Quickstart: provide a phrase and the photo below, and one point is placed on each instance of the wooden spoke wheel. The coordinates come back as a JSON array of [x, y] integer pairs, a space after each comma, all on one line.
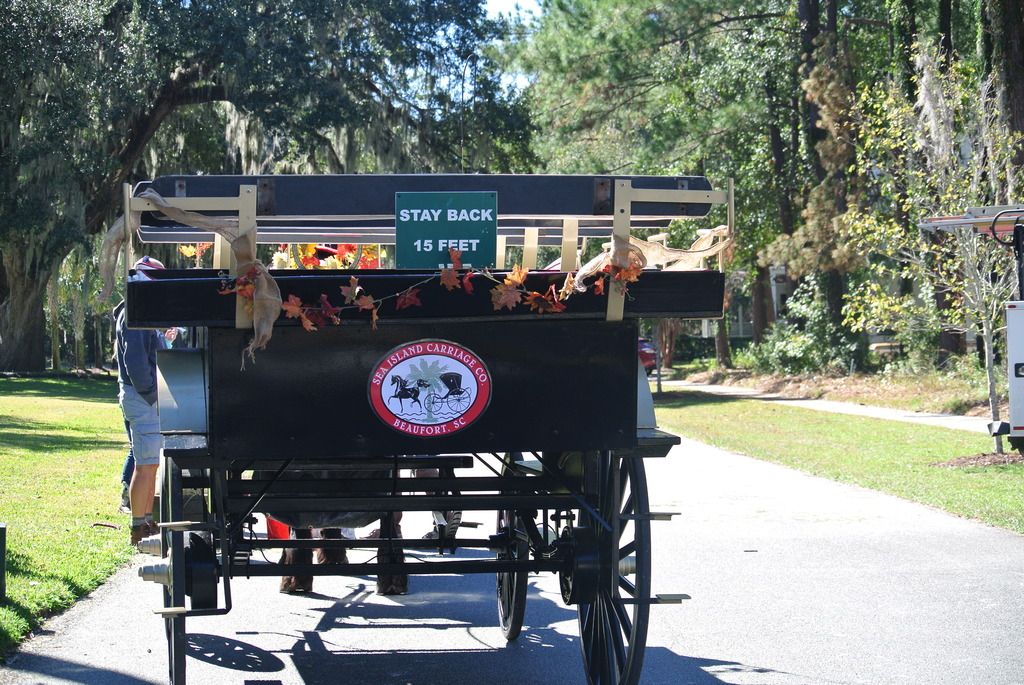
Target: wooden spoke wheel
[[171, 502], [613, 627], [512, 585]]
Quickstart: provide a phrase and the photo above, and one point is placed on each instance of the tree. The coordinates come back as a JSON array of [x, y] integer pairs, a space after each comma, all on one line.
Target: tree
[[90, 84], [946, 173], [667, 87], [46, 98]]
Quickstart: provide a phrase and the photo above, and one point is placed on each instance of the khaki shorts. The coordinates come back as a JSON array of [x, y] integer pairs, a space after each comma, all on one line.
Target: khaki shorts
[[144, 424]]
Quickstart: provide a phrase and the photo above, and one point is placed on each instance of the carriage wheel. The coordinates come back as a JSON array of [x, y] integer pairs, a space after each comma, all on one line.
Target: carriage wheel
[[512, 585], [174, 594], [434, 403], [458, 402], [613, 634]]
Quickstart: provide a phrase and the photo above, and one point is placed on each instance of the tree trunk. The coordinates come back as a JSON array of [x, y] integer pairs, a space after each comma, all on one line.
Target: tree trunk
[[723, 354], [987, 336], [78, 313], [667, 334], [97, 328], [835, 288], [945, 35], [809, 14], [1006, 19], [780, 177], [22, 323], [903, 16], [985, 38], [759, 309], [79, 350], [53, 304]]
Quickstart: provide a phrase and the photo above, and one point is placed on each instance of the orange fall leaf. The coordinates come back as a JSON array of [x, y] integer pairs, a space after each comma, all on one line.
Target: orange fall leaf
[[456, 257], [628, 274], [450, 279], [568, 287], [546, 303], [365, 302], [292, 307], [516, 277], [409, 298], [351, 291], [505, 296]]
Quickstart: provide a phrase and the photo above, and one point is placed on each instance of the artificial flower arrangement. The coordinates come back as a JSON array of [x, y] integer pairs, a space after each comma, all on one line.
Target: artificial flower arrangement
[[344, 256]]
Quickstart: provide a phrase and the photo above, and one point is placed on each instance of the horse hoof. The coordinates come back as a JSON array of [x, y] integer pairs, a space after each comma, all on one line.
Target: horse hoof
[[293, 584], [393, 585]]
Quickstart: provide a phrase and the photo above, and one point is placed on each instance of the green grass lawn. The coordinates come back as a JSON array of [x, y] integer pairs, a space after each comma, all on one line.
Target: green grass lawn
[[62, 444], [890, 456]]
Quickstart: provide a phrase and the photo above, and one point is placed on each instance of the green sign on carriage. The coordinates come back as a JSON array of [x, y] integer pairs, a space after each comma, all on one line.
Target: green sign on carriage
[[428, 225]]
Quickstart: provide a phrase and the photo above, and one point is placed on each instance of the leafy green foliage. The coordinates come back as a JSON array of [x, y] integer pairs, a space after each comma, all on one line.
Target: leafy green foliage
[[90, 85], [951, 153], [663, 88], [807, 340]]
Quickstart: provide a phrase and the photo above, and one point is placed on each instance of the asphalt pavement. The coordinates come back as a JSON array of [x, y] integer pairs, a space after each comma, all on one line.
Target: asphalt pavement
[[795, 580]]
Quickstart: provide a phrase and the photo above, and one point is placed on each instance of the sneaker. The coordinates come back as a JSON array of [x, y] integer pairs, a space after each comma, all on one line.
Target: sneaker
[[126, 504], [142, 531]]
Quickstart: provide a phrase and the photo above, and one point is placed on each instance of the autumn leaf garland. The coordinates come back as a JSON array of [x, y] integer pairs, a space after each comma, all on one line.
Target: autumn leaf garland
[[509, 292]]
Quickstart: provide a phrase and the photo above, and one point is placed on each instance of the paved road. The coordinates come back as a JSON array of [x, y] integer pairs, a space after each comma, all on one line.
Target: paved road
[[795, 580], [975, 424]]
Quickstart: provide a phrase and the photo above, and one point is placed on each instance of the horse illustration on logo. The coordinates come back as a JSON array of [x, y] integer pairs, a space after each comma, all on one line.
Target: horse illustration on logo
[[405, 391]]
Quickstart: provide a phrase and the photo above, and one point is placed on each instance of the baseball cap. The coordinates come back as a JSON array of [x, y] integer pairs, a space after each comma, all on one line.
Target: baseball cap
[[143, 265], [146, 263]]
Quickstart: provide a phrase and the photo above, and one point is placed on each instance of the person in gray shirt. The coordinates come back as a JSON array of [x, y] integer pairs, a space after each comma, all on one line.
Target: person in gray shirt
[[136, 380]]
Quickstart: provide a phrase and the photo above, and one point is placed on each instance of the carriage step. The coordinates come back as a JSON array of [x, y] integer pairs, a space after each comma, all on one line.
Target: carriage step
[[670, 598], [170, 612], [658, 599], [651, 516], [651, 442], [184, 525]]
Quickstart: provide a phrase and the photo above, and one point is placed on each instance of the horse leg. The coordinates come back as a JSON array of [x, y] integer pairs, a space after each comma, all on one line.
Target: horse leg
[[392, 583], [331, 555], [292, 584]]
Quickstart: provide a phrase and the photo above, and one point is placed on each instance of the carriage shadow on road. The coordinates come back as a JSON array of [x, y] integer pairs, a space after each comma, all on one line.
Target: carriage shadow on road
[[544, 652]]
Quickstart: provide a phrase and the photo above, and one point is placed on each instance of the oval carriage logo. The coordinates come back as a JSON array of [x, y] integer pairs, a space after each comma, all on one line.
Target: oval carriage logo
[[429, 388]]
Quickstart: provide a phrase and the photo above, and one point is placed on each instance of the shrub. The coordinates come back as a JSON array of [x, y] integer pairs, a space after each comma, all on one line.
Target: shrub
[[807, 340]]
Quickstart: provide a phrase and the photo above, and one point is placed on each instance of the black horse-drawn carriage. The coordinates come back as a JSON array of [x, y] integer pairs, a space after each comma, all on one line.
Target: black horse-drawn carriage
[[543, 387]]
